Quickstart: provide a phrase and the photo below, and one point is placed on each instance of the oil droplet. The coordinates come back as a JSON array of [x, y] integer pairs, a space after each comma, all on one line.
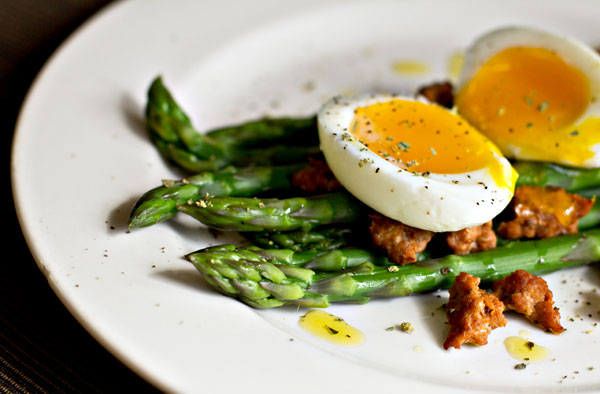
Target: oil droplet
[[417, 349], [331, 328], [525, 350], [410, 67], [524, 334], [455, 63]]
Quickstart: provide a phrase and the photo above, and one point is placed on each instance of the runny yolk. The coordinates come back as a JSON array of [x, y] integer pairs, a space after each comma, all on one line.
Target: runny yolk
[[421, 137], [528, 101]]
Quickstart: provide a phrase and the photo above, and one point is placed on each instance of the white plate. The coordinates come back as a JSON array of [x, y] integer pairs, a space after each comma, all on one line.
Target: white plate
[[82, 157]]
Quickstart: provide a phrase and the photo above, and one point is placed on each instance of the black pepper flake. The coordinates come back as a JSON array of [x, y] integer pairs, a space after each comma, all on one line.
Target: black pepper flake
[[332, 331], [377, 170], [520, 366], [529, 345], [445, 270]]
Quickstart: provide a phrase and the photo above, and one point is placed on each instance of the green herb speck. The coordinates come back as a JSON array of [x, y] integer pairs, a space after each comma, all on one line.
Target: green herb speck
[[403, 145]]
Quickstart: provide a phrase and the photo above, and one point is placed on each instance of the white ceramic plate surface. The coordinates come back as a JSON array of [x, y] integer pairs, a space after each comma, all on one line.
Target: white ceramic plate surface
[[81, 158]]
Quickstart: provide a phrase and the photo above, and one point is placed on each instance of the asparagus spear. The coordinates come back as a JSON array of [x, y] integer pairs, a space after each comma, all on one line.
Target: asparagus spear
[[302, 241], [549, 174], [175, 137], [267, 279], [160, 203], [253, 214], [323, 240], [169, 125], [268, 131]]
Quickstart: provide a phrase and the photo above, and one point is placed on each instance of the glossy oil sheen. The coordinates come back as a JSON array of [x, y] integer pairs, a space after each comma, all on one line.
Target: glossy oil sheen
[[557, 203], [525, 350], [331, 328]]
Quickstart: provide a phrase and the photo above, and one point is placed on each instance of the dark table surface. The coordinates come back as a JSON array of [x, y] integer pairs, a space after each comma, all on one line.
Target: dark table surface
[[42, 347]]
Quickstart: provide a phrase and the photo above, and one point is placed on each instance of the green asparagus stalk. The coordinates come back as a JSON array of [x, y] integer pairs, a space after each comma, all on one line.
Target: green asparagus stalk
[[302, 241], [176, 138], [319, 240], [549, 174], [169, 124], [268, 131], [253, 214], [319, 260], [173, 134], [267, 279], [160, 203]]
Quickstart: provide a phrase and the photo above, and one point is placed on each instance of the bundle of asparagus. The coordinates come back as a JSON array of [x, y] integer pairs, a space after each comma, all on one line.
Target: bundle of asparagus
[[315, 264]]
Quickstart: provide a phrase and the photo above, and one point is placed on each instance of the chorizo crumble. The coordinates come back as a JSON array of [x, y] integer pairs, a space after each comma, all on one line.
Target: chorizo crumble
[[472, 312], [544, 212], [472, 239], [401, 242], [316, 177], [529, 295], [439, 92]]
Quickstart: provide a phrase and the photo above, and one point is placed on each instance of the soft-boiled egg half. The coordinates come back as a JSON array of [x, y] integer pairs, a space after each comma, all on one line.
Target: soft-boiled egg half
[[534, 94], [414, 161]]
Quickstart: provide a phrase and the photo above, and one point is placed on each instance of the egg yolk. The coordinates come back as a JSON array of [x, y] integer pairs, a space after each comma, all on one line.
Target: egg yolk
[[421, 137], [528, 101]]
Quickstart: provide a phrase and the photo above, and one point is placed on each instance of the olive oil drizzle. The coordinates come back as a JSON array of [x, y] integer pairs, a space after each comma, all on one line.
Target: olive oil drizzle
[[330, 328]]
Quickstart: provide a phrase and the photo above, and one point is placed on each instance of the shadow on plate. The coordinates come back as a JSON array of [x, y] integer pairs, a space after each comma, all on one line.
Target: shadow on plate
[[186, 277], [134, 116], [118, 218], [433, 311]]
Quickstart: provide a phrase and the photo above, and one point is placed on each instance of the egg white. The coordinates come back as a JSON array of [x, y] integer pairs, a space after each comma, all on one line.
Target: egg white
[[574, 52], [435, 202]]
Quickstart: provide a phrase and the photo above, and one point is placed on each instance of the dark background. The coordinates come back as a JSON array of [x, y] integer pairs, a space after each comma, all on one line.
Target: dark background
[[42, 347]]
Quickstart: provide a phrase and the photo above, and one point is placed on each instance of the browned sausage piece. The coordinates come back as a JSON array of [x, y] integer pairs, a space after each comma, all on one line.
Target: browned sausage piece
[[316, 177], [472, 239], [401, 242], [529, 294], [544, 212], [472, 313], [439, 92]]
